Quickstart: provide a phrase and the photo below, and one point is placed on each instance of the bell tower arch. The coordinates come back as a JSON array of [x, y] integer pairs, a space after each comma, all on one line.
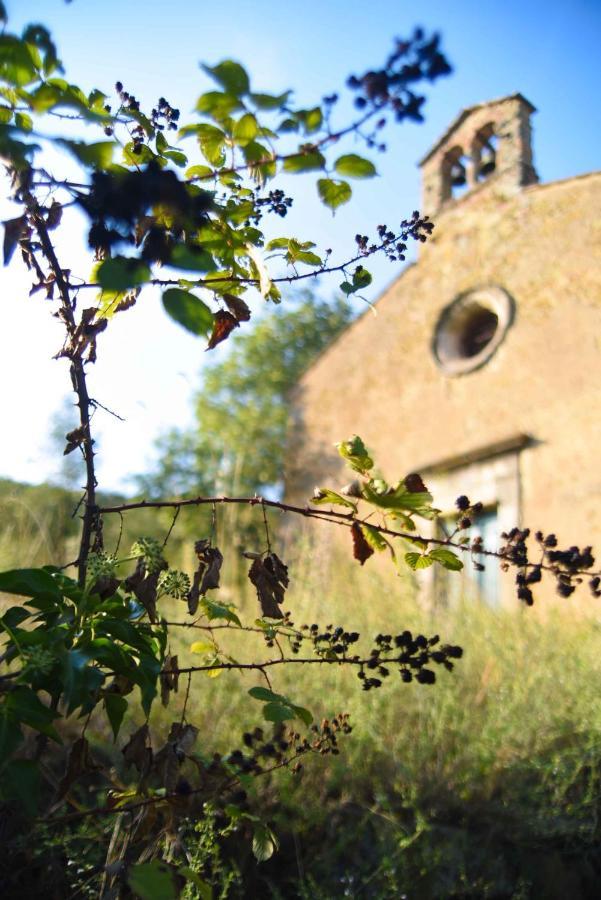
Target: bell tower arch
[[490, 143]]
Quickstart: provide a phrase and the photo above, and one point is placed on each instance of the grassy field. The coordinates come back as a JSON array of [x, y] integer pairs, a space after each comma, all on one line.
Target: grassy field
[[486, 784]]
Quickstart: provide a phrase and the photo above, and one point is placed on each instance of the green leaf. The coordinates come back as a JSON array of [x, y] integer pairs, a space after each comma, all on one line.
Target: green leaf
[[10, 734], [191, 260], [334, 193], [304, 161], [199, 172], [310, 119], [373, 537], [361, 278], [203, 647], [142, 155], [115, 706], [278, 712], [18, 62], [30, 583], [217, 104], [204, 889], [279, 708], [264, 694], [245, 129], [212, 143], [153, 881], [270, 101], [13, 617], [278, 243], [189, 311], [264, 843], [21, 782], [418, 560], [355, 453], [446, 558], [161, 142], [81, 681], [23, 121], [354, 166], [119, 273], [325, 495], [214, 610], [98, 155], [230, 75], [25, 706]]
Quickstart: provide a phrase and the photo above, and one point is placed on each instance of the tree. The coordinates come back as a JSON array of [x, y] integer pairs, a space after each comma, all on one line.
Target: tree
[[238, 442], [95, 645]]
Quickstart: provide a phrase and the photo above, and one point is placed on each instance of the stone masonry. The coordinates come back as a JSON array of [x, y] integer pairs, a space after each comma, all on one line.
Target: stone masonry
[[482, 367]]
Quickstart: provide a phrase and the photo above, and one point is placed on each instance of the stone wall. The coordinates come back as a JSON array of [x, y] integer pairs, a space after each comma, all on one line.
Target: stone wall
[[380, 378]]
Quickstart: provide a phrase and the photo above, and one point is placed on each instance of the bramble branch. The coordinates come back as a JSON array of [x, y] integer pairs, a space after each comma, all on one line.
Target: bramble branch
[[344, 519]]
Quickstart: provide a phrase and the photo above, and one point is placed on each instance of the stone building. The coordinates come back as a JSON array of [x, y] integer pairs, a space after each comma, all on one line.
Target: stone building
[[481, 369]]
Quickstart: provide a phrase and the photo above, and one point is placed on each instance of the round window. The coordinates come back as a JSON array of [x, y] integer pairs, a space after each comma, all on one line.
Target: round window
[[471, 328]]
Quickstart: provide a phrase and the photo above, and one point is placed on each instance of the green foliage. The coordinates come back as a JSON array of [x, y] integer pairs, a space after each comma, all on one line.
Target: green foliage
[[83, 658], [334, 193], [279, 708], [188, 310], [121, 273], [242, 407], [354, 166]]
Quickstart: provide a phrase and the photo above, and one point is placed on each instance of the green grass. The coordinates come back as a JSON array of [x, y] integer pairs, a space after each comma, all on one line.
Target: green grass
[[486, 784]]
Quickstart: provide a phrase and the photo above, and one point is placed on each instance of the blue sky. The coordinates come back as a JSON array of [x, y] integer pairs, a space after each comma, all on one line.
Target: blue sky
[[547, 50]]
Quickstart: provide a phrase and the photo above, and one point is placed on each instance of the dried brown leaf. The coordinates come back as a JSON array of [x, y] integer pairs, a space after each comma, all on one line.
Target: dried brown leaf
[[270, 578], [79, 762], [136, 752], [223, 324], [238, 307], [166, 766], [183, 737], [414, 484], [361, 549], [74, 439], [105, 586], [14, 229], [207, 575], [144, 587], [169, 678], [54, 215]]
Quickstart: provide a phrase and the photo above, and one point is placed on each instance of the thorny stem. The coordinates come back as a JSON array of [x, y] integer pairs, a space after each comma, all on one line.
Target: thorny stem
[[285, 279], [78, 379], [174, 795], [286, 660], [324, 515]]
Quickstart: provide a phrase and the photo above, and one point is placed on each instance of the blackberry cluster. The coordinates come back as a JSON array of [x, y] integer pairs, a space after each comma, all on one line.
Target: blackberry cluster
[[417, 59], [261, 754], [394, 245], [568, 565], [131, 104], [415, 654], [467, 511], [332, 640], [164, 116], [276, 202]]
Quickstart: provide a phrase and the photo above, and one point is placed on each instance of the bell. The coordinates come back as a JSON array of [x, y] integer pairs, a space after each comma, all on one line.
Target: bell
[[458, 178], [488, 161]]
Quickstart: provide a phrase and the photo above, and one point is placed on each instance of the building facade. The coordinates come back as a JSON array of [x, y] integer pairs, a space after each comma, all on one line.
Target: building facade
[[482, 368]]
